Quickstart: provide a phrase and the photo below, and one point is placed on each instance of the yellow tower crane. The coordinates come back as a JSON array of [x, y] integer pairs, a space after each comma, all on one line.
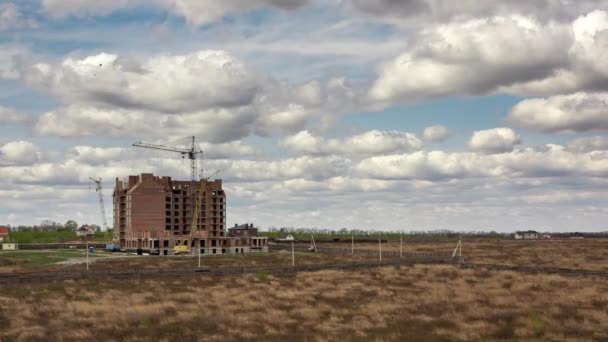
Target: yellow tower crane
[[185, 247]]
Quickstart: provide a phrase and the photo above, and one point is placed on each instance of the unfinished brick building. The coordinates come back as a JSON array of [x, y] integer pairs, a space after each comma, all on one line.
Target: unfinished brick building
[[152, 214]]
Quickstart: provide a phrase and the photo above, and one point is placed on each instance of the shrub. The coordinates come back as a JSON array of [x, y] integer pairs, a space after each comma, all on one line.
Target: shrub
[[262, 275], [145, 322], [536, 322]]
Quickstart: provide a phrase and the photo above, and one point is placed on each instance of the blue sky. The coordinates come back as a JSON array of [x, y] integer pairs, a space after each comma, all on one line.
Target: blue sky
[[320, 113]]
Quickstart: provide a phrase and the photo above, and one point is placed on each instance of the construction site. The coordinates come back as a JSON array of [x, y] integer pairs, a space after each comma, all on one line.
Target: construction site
[[158, 215], [154, 214], [170, 240]]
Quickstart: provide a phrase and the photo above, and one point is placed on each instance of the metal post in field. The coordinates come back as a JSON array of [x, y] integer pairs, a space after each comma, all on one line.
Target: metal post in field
[[293, 255], [460, 249], [87, 247], [380, 247], [199, 253], [401, 247], [352, 243]]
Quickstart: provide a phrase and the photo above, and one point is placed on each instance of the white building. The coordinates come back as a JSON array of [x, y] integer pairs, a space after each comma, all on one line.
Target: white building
[[526, 235]]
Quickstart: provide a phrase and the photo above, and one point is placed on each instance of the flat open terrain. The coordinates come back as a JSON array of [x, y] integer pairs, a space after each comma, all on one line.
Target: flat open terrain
[[421, 303], [589, 254], [22, 260]]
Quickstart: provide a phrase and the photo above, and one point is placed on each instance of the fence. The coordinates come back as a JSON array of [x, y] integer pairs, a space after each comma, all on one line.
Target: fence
[[412, 256], [60, 245], [173, 272]]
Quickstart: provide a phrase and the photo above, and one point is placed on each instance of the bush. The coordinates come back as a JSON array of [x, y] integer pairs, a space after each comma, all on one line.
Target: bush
[[145, 322], [262, 275], [536, 322]]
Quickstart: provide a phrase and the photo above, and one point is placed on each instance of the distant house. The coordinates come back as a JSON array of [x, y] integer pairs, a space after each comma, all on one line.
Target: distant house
[[545, 236], [286, 237], [243, 230], [85, 230], [577, 235], [526, 235], [4, 232]]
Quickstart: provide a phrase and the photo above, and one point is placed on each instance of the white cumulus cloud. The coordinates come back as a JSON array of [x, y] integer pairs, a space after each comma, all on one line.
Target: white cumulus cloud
[[368, 143], [436, 133], [19, 153], [579, 112], [496, 140], [473, 57], [551, 161], [588, 144], [206, 93]]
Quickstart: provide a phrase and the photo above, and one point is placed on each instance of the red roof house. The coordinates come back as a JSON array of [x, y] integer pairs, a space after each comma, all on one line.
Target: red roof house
[[4, 232]]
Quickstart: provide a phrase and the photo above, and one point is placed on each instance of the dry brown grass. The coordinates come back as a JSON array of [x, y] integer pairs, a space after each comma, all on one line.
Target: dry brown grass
[[422, 303], [589, 254]]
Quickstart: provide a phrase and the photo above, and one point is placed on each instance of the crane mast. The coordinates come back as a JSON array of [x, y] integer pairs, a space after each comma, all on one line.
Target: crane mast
[[102, 208], [192, 153], [185, 247]]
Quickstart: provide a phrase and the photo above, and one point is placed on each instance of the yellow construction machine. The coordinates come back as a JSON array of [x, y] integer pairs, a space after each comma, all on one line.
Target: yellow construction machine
[[185, 247]]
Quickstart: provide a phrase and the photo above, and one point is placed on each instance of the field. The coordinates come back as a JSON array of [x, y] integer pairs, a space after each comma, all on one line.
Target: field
[[420, 303], [14, 261], [589, 254]]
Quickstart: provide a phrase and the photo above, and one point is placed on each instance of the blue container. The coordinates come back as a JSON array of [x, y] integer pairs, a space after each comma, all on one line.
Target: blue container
[[91, 250], [112, 247]]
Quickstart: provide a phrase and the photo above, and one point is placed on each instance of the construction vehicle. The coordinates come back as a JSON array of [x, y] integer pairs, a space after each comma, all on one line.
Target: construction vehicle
[[186, 246]]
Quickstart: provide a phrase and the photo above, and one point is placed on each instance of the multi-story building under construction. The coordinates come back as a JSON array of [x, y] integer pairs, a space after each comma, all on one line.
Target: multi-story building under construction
[[152, 214]]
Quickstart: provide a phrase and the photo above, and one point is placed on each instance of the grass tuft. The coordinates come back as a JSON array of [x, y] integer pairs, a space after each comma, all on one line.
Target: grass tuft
[[262, 275], [536, 322]]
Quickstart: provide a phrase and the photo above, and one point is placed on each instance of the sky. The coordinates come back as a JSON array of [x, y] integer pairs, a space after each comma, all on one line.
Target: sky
[[379, 115]]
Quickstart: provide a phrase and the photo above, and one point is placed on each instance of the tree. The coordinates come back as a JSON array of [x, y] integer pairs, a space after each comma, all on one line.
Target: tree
[[71, 225], [50, 226]]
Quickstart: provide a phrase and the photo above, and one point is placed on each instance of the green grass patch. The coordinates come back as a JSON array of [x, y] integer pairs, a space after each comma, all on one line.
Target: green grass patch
[[262, 275], [54, 237], [39, 258], [145, 322], [536, 322]]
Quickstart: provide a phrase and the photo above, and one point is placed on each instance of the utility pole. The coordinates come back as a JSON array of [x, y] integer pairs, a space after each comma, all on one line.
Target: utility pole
[[293, 255], [352, 243]]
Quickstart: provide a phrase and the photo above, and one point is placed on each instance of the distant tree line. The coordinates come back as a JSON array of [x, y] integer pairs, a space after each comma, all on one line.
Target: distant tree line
[[52, 226], [323, 233]]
